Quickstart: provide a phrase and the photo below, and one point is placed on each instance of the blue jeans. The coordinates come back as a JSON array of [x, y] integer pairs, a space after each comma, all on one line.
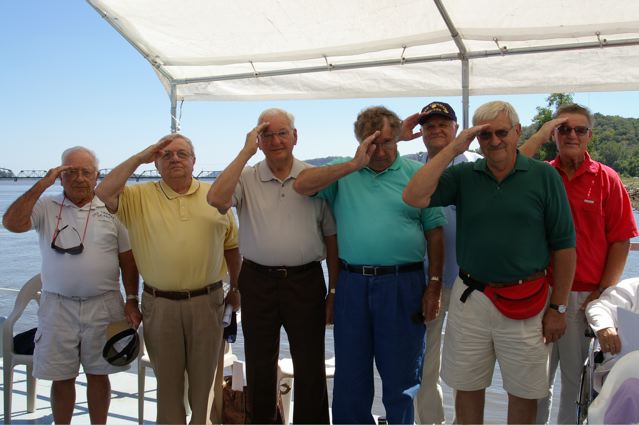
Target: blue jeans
[[376, 318]]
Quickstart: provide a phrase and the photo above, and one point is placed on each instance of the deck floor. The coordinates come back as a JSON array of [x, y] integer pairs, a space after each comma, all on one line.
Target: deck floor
[[124, 399]]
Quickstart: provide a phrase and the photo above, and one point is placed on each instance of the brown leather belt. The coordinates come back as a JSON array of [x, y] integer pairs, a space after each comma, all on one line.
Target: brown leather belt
[[280, 272], [533, 276], [182, 295]]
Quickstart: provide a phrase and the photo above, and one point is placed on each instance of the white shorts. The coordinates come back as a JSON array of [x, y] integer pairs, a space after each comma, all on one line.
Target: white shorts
[[72, 331], [477, 334]]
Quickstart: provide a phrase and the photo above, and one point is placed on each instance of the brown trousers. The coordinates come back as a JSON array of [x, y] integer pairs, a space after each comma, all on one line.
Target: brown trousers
[[296, 302]]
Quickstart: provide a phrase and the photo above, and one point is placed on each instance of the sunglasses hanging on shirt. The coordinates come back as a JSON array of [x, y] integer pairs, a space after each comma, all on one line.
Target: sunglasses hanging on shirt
[[74, 250]]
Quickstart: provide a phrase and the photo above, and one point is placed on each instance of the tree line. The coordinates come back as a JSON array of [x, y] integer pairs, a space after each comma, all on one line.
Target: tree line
[[615, 139]]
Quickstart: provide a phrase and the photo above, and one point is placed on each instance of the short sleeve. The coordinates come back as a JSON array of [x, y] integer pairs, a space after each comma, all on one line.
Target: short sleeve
[[231, 237]]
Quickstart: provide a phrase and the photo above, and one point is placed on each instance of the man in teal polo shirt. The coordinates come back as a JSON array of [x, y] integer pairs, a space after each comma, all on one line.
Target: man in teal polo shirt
[[381, 301], [513, 216]]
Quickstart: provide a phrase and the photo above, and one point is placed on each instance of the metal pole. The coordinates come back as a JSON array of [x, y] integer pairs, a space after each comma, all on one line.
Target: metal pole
[[173, 97], [465, 90]]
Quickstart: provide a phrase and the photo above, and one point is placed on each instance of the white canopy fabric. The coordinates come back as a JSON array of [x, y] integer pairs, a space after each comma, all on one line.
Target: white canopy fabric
[[302, 49]]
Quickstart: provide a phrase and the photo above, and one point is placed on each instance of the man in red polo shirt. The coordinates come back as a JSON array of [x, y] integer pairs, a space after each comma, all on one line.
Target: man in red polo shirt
[[604, 224]]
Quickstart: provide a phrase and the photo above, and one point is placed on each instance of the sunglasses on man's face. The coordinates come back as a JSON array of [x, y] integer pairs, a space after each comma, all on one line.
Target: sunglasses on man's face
[[565, 130], [488, 135]]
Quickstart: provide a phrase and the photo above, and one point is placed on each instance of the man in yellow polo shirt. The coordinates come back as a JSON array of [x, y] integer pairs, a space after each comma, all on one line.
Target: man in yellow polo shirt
[[180, 244]]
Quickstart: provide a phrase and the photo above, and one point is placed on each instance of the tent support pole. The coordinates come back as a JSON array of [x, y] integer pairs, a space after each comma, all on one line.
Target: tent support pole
[[465, 90], [173, 97]]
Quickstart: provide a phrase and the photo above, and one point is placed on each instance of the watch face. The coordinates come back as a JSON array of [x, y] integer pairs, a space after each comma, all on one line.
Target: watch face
[[559, 307]]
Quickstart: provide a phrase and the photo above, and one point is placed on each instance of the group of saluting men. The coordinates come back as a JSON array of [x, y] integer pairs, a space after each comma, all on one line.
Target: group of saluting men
[[511, 248]]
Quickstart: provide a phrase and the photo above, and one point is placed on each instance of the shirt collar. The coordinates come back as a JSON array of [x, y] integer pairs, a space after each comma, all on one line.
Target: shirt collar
[[171, 194], [265, 174], [522, 163], [393, 167], [588, 166], [67, 203]]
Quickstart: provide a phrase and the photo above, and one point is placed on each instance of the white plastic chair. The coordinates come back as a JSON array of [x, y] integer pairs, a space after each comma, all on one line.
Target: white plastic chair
[[144, 362], [30, 291]]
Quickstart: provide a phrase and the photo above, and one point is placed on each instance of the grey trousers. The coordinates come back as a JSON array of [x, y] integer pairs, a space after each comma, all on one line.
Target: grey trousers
[[569, 353]]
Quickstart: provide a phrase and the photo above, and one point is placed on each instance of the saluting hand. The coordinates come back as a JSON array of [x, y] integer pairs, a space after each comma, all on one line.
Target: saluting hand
[[408, 125], [465, 138], [52, 175], [151, 153], [251, 143], [365, 151], [549, 126]]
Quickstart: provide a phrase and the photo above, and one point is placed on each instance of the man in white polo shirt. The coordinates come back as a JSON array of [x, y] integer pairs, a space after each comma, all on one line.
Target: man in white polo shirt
[[283, 238], [83, 249]]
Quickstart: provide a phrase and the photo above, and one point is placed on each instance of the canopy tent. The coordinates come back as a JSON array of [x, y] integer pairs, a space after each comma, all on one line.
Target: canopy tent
[[302, 49]]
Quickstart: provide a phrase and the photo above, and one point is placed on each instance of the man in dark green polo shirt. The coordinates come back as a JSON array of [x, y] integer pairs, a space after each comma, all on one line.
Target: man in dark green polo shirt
[[513, 217]]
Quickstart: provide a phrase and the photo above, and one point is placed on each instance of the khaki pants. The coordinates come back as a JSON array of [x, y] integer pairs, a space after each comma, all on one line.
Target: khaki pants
[[429, 403], [183, 335]]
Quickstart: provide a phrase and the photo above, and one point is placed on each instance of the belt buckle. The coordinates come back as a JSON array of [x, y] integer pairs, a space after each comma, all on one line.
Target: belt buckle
[[369, 270], [282, 272]]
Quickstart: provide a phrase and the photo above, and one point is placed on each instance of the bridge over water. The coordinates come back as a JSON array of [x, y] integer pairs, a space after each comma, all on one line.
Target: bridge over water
[[6, 173]]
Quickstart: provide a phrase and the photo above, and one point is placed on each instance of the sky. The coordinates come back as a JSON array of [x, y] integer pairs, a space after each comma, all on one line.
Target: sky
[[67, 78]]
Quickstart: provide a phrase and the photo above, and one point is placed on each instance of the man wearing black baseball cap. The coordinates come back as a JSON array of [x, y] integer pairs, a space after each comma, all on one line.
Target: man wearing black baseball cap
[[439, 127]]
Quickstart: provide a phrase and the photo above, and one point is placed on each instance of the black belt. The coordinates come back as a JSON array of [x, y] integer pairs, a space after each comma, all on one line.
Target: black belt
[[182, 295], [380, 270], [280, 272]]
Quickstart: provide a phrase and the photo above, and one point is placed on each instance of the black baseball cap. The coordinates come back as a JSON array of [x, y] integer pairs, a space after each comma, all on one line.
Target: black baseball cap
[[437, 108], [123, 344]]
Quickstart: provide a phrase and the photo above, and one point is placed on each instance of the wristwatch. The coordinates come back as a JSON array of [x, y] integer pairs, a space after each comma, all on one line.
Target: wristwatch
[[559, 307]]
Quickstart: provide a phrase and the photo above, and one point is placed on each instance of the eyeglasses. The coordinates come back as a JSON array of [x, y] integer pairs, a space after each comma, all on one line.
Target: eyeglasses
[[282, 134], [181, 154], [74, 173], [565, 130], [488, 135], [74, 250]]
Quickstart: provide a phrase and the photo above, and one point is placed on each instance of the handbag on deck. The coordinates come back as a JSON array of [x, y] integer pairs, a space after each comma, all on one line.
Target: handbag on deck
[[234, 399]]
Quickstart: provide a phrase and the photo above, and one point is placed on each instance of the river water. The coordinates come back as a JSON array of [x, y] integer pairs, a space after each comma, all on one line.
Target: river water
[[20, 260]]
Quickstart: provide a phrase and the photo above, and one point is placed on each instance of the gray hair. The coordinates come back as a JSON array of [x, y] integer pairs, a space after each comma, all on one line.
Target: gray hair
[[489, 111], [174, 136], [89, 152], [574, 108], [277, 111]]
